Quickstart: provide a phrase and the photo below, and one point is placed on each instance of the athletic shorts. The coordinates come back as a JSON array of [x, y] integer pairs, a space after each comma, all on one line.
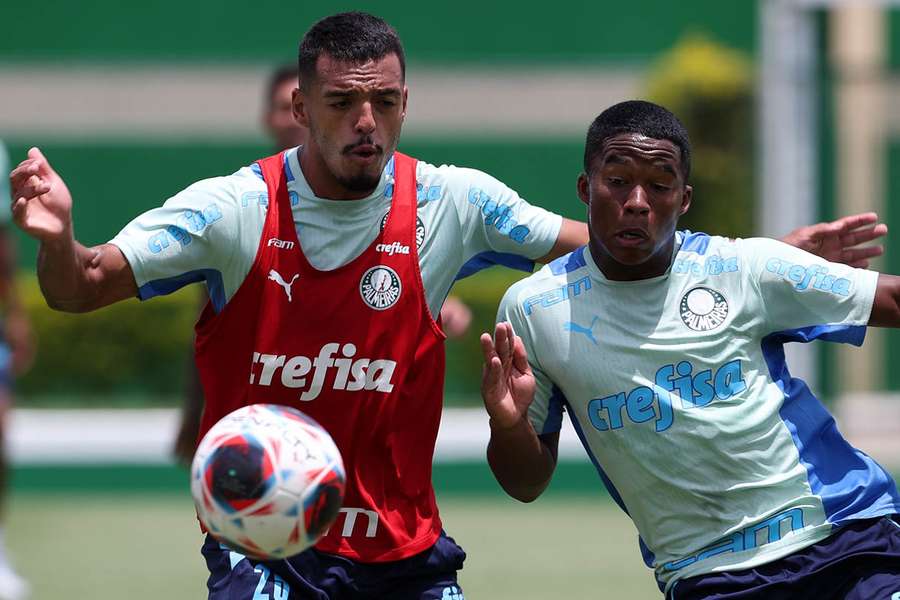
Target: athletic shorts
[[313, 575], [860, 561]]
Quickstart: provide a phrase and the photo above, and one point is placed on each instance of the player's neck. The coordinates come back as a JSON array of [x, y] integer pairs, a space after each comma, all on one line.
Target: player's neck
[[613, 270], [320, 179]]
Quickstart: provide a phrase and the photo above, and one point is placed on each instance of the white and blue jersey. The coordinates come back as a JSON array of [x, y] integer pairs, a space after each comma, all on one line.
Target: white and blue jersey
[[210, 232], [678, 388]]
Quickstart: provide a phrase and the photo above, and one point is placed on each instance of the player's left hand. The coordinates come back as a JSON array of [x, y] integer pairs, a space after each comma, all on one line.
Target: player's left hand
[[839, 241], [455, 317], [18, 334], [507, 384]]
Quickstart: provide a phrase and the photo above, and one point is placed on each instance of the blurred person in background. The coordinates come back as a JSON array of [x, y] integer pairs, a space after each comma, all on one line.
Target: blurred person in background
[[16, 354], [668, 357], [327, 248], [282, 128]]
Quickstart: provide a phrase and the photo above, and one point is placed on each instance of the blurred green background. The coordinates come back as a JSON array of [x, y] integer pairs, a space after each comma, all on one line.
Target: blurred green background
[[697, 59], [100, 529]]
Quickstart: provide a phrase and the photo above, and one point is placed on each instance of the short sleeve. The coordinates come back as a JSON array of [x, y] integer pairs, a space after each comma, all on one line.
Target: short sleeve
[[546, 411], [193, 237], [494, 218], [799, 290]]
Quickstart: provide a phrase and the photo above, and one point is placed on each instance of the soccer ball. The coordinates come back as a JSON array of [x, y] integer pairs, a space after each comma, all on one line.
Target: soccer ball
[[267, 481]]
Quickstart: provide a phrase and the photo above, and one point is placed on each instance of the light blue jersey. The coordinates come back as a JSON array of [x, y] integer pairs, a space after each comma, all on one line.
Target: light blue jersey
[[466, 221], [678, 388]]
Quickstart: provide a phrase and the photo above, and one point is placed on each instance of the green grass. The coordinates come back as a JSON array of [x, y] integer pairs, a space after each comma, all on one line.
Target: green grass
[[142, 547]]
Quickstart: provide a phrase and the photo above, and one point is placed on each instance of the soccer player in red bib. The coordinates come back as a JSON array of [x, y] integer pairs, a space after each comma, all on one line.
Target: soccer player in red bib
[[324, 265]]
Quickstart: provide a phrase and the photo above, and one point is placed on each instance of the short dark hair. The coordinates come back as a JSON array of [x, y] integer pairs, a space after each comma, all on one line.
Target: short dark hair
[[279, 76], [350, 36], [642, 117]]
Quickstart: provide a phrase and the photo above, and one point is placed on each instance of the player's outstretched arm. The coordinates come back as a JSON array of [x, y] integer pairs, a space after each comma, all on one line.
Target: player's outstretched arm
[[886, 308], [73, 278], [840, 240], [522, 461]]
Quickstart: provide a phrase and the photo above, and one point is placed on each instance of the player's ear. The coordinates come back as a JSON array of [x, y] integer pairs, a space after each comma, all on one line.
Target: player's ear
[[584, 188], [686, 199], [298, 107], [405, 100]]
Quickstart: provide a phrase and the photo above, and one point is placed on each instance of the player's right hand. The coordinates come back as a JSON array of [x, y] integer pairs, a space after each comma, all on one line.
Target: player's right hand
[[507, 383], [41, 202]]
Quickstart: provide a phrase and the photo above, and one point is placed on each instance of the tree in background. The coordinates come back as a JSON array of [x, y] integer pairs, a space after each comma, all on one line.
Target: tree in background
[[710, 88]]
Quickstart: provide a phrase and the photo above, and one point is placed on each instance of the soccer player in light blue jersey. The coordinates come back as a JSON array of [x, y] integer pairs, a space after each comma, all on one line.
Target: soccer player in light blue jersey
[[665, 348]]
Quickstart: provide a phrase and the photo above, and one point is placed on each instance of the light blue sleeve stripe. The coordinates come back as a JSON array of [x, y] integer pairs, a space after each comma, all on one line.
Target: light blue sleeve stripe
[[694, 242], [257, 170], [288, 174]]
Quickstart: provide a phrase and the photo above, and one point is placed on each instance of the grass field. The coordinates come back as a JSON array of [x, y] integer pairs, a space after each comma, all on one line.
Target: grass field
[[146, 546]]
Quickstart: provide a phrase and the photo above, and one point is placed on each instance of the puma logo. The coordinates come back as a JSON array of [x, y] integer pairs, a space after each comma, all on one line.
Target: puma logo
[[276, 277], [586, 331]]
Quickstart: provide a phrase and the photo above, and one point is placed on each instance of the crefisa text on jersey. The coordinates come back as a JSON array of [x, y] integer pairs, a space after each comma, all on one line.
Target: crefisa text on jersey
[[392, 248], [349, 374], [648, 403], [809, 277]]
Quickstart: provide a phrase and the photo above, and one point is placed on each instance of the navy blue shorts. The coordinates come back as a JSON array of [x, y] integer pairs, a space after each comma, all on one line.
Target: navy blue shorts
[[860, 561], [313, 575]]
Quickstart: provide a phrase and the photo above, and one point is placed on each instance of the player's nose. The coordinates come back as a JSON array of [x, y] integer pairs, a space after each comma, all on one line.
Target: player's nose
[[636, 202], [365, 121]]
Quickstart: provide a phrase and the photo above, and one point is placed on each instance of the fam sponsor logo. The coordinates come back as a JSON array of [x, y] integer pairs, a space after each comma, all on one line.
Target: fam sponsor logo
[[350, 374], [380, 287], [420, 229], [351, 515], [499, 216], [556, 295], [765, 532], [655, 402], [280, 244], [703, 309], [713, 265], [187, 223], [392, 248], [813, 277]]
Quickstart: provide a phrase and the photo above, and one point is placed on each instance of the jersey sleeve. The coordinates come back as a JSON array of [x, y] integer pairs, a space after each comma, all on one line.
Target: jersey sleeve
[[545, 412], [193, 237], [807, 295], [498, 226]]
